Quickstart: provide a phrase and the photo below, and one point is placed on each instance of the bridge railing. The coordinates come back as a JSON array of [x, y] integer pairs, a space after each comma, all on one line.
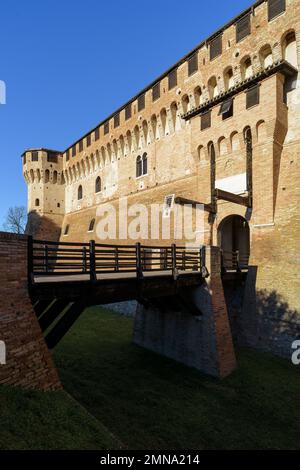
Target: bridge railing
[[63, 258]]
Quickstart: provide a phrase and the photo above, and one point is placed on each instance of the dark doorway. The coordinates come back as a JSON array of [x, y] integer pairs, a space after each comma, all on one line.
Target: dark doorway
[[234, 240]]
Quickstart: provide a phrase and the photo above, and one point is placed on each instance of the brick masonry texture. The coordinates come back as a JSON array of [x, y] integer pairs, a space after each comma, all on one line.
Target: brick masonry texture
[[179, 163], [28, 362]]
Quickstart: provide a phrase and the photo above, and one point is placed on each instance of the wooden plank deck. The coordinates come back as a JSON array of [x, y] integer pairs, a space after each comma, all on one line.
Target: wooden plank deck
[[40, 279]]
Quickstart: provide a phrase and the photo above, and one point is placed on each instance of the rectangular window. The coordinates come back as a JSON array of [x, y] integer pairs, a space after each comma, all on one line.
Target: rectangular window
[[52, 157], [128, 111], [156, 91], [193, 64], [80, 145], [67, 155], [205, 120], [141, 102], [97, 133], [73, 150], [24, 159], [215, 47], [243, 27], [88, 140], [172, 79], [116, 120], [34, 156], [106, 128], [275, 8], [226, 109], [252, 97]]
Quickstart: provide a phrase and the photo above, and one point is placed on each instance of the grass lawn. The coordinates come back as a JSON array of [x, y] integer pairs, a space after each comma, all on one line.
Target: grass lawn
[[53, 420], [150, 402]]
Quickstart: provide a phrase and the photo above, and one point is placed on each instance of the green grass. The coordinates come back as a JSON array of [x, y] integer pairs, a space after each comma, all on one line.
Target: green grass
[[150, 402], [52, 420]]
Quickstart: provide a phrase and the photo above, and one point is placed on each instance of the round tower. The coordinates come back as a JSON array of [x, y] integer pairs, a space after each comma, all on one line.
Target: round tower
[[43, 173]]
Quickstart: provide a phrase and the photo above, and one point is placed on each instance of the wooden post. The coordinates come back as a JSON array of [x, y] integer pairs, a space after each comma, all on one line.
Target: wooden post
[[139, 269], [93, 275], [174, 262], [116, 259], [238, 261], [84, 259], [46, 259]]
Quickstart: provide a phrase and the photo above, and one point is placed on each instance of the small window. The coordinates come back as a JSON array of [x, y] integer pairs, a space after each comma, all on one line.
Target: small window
[[67, 229], [128, 111], [275, 8], [52, 157], [73, 150], [34, 156], [139, 166], [24, 159], [145, 164], [80, 145], [116, 120], [97, 133], [205, 120], [79, 193], [215, 47], [98, 185], [172, 79], [193, 64], [141, 102], [156, 91], [243, 28], [226, 109], [91, 225], [106, 128], [88, 140], [252, 97], [37, 202], [67, 155]]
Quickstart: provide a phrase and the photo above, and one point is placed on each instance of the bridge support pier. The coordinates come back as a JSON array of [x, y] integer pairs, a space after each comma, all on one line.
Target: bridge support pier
[[200, 341], [27, 360]]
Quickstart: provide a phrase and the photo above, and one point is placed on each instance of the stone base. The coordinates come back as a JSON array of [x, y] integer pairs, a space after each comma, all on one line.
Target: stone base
[[203, 342]]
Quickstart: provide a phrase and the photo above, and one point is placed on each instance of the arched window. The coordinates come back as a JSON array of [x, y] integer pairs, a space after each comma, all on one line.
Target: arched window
[[289, 49], [213, 88], [79, 193], [145, 164], [266, 57], [37, 202], [139, 168], [98, 185], [66, 229], [141, 165], [91, 225], [246, 68], [47, 176], [55, 177], [228, 78]]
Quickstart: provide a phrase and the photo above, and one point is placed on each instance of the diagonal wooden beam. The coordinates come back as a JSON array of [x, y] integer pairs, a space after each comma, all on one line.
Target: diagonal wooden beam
[[182, 201]]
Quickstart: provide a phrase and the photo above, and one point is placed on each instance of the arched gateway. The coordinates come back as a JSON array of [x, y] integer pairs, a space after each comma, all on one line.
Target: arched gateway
[[234, 241]]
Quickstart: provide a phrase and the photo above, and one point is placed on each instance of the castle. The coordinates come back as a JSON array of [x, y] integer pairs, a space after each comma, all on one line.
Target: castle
[[220, 127]]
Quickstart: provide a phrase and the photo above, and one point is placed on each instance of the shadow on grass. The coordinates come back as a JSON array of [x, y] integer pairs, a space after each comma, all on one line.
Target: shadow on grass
[[150, 402]]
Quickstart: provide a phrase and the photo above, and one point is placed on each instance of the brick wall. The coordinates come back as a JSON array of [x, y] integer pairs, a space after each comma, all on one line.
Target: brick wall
[[28, 360]]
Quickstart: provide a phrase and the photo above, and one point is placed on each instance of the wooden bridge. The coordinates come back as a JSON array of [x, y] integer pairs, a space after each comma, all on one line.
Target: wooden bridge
[[65, 278]]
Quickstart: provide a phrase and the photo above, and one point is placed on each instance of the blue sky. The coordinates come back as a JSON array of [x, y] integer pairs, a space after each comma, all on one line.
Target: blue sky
[[67, 64]]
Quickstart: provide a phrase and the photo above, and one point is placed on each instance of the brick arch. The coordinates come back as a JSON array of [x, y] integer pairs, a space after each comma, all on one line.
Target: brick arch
[[234, 141], [261, 131], [222, 146]]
